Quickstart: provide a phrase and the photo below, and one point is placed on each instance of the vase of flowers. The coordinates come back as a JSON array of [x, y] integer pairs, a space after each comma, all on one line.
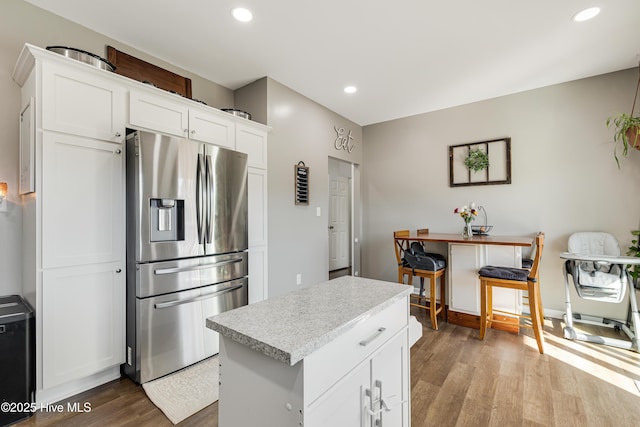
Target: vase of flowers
[[468, 214]]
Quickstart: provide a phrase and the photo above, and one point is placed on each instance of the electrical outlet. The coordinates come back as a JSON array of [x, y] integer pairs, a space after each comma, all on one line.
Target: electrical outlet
[[298, 279]]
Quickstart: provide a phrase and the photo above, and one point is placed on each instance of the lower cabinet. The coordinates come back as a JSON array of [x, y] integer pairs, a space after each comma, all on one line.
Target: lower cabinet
[[372, 394], [360, 379], [464, 286], [82, 321]]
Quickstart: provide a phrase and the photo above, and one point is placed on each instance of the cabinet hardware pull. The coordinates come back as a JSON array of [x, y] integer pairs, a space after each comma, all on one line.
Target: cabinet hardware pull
[[197, 267], [193, 132], [119, 270], [118, 134], [118, 151], [186, 131], [366, 342], [196, 299]]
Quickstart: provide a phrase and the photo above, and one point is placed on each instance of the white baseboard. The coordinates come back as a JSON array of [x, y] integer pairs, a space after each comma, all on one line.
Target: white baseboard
[[71, 388]]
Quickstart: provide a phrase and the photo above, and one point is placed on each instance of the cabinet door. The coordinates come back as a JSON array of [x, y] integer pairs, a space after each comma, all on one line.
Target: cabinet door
[[82, 103], [343, 405], [257, 207], [258, 276], [158, 113], [82, 201], [390, 382], [82, 321], [206, 126], [252, 141], [464, 261]]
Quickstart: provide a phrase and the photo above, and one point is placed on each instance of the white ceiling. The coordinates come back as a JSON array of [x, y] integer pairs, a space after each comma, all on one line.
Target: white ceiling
[[405, 56]]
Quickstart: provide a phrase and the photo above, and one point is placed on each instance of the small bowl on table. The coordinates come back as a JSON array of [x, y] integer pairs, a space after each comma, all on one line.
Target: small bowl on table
[[481, 230]]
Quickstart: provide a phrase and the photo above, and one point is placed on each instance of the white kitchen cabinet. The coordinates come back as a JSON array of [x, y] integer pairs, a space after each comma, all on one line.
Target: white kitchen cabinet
[[82, 201], [166, 113], [83, 321], [78, 102], [73, 225], [155, 112], [252, 140], [464, 286], [372, 394], [344, 404], [339, 384], [212, 127], [75, 219], [257, 207], [258, 289]]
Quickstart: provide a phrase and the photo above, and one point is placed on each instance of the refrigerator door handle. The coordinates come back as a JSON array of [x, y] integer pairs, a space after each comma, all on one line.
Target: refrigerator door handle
[[196, 299], [196, 267], [200, 202], [209, 209]]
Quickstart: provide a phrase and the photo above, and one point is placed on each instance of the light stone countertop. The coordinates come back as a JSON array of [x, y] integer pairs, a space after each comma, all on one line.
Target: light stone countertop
[[290, 327]]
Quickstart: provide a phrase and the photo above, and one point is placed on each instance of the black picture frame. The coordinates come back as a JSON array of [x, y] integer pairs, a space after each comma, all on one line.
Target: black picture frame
[[498, 171]]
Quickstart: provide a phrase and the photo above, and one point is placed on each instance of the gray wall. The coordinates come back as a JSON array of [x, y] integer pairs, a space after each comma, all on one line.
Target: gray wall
[[22, 23], [564, 177], [298, 239]]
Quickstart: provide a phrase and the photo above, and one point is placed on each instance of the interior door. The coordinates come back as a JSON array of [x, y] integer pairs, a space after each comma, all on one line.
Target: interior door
[[339, 222]]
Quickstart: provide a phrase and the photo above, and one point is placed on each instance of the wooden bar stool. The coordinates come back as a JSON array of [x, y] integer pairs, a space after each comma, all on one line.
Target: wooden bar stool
[[401, 244], [514, 278], [427, 266]]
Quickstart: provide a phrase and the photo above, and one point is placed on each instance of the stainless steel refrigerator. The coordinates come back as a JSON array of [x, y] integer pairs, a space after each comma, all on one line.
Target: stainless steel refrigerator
[[187, 242]]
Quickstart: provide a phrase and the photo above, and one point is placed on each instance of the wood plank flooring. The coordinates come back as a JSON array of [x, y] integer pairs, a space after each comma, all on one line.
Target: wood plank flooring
[[456, 380]]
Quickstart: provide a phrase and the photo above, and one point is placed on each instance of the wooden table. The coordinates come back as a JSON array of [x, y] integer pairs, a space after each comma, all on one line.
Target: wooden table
[[475, 239], [465, 256]]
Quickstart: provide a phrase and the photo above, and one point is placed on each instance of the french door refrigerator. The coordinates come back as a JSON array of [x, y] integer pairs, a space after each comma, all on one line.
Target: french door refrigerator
[[187, 243]]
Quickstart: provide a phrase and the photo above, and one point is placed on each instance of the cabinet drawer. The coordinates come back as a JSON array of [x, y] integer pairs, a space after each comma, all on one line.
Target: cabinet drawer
[[327, 365]]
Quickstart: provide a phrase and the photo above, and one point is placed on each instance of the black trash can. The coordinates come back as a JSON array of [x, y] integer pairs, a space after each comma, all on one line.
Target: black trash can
[[17, 359]]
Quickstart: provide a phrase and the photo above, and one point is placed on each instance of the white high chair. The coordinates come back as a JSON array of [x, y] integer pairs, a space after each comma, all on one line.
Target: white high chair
[[599, 273]]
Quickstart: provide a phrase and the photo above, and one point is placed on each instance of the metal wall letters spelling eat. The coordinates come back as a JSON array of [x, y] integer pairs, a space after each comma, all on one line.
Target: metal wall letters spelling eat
[[301, 178], [497, 171], [343, 142]]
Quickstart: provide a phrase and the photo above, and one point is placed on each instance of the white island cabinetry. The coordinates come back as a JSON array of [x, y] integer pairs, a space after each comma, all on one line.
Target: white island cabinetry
[[335, 353]]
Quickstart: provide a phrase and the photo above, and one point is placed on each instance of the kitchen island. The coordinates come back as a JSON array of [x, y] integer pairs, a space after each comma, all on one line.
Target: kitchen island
[[335, 353]]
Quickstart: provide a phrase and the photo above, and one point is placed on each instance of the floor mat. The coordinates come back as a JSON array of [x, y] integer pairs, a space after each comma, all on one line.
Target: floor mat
[[183, 393]]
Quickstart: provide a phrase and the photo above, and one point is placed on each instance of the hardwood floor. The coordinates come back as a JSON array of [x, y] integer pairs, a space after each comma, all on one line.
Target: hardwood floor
[[456, 380]]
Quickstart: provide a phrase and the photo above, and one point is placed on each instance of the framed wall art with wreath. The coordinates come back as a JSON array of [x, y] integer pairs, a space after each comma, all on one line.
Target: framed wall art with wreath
[[480, 163]]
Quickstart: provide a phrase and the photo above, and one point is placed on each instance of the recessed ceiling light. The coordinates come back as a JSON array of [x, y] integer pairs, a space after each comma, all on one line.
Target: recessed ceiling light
[[586, 14], [350, 89], [242, 14]]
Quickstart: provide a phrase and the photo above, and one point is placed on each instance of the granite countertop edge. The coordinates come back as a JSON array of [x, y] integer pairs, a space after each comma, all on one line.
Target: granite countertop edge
[[296, 354], [322, 340]]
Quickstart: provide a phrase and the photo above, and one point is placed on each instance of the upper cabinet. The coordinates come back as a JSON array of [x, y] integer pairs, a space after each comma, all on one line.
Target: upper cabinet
[[207, 126], [156, 112], [167, 113], [253, 141], [81, 103]]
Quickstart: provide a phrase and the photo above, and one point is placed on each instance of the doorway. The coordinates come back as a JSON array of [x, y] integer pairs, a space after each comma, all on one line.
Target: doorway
[[343, 247]]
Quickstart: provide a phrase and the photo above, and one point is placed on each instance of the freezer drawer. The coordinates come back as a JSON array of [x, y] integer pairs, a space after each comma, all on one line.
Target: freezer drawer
[[173, 332], [170, 276]]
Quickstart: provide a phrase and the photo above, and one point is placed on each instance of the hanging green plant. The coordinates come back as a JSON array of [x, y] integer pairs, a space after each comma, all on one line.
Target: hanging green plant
[[477, 160]]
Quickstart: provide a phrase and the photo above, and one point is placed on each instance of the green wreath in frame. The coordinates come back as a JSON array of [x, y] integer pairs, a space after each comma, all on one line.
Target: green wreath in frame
[[477, 160]]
